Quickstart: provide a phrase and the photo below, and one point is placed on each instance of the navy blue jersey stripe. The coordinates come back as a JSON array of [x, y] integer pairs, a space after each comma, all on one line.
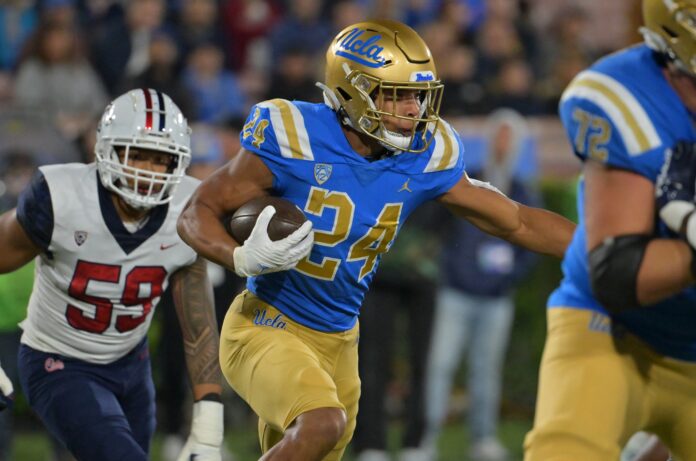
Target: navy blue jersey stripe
[[162, 110], [35, 211]]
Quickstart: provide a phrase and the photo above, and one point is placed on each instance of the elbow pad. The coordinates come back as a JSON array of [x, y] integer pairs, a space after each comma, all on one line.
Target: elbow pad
[[614, 266]]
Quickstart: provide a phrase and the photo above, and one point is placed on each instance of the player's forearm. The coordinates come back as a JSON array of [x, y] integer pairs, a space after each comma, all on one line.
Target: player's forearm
[[542, 231], [664, 271], [202, 230], [193, 299]]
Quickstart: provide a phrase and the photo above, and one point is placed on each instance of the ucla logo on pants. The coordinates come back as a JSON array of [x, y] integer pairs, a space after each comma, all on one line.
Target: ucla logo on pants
[[361, 49], [261, 319]]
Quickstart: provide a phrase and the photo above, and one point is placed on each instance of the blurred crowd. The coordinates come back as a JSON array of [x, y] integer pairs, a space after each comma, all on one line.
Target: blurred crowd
[[62, 60]]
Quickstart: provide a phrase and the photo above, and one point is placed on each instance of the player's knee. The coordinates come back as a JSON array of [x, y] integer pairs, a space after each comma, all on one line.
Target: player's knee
[[327, 424]]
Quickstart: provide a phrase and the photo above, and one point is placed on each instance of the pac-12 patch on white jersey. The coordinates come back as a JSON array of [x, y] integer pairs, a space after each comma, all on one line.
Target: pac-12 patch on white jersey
[[96, 284]]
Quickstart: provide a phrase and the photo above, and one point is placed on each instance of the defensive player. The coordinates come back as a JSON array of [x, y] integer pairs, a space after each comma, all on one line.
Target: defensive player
[[357, 165], [620, 353], [106, 247]]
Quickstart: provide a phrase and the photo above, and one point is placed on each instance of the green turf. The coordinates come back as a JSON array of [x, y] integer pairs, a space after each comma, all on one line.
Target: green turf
[[34, 446]]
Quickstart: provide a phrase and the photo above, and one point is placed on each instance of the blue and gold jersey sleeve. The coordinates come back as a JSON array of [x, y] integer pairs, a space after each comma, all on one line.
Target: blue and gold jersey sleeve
[[446, 160], [606, 122], [275, 130]]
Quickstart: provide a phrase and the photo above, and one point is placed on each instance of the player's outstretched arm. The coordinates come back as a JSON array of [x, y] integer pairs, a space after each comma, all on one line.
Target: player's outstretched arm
[[193, 300], [488, 209], [16, 247], [240, 180]]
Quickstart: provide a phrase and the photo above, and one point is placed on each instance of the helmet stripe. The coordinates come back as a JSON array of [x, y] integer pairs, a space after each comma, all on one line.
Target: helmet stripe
[[148, 108], [162, 110]]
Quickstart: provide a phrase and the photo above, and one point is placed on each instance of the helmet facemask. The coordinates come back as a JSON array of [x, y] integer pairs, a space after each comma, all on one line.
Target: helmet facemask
[[375, 92], [121, 129]]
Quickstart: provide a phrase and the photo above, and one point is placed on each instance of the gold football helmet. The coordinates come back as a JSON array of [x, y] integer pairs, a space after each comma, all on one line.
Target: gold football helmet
[[670, 28], [371, 61]]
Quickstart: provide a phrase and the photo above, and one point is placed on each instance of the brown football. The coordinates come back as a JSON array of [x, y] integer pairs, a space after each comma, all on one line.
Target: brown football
[[288, 218]]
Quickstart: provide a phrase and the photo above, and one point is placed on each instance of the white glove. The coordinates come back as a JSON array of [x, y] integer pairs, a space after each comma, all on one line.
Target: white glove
[[205, 441], [261, 255], [6, 390], [679, 216]]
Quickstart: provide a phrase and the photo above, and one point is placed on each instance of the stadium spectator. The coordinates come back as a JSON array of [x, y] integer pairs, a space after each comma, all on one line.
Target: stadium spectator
[[120, 45], [302, 27], [215, 92], [475, 306], [294, 77], [398, 305], [163, 72], [57, 81], [247, 24]]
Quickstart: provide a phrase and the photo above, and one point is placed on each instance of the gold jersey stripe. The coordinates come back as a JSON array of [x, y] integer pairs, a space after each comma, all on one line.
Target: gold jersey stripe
[[289, 126], [447, 145], [631, 121]]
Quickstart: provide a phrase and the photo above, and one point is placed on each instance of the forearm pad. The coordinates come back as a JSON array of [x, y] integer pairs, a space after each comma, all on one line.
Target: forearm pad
[[614, 266]]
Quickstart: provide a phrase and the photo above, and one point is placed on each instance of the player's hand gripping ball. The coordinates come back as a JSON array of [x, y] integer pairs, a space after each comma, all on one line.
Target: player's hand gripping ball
[[274, 233], [287, 218]]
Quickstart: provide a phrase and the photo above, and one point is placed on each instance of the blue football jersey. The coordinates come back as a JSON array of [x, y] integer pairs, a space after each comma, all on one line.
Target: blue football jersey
[[621, 111], [357, 206]]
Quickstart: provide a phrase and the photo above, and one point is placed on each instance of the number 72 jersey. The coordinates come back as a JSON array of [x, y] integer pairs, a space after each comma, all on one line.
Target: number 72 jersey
[[96, 283], [357, 206]]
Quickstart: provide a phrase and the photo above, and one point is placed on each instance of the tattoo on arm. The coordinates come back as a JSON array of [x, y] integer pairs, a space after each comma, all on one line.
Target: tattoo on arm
[[193, 299]]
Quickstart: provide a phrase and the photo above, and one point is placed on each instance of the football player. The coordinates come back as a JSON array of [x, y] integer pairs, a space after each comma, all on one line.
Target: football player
[[106, 247], [358, 165], [620, 352]]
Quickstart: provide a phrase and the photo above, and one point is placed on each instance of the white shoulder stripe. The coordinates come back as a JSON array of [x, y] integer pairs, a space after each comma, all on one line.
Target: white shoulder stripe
[[446, 149], [290, 130], [624, 110]]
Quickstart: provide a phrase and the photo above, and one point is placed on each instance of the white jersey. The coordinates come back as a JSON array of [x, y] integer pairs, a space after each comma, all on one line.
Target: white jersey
[[96, 284]]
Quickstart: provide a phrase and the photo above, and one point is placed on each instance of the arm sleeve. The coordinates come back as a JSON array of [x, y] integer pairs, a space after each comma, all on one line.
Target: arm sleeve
[[35, 211]]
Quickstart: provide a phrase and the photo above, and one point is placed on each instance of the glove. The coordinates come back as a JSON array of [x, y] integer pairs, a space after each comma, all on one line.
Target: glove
[[6, 391], [205, 441], [675, 190], [261, 255]]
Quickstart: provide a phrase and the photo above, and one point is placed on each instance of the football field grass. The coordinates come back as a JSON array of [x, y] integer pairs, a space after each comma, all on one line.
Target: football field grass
[[35, 446]]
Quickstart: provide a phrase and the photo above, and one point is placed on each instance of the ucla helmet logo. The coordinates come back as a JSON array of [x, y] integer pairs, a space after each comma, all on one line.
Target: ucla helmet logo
[[361, 49]]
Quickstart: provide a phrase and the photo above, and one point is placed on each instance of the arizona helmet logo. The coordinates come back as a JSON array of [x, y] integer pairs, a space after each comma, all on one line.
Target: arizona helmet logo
[[322, 172], [360, 49]]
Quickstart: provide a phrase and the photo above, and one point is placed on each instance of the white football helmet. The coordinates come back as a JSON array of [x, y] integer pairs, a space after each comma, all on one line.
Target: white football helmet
[[145, 119]]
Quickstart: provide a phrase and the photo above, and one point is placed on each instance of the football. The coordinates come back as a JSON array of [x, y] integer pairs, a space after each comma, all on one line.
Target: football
[[285, 221]]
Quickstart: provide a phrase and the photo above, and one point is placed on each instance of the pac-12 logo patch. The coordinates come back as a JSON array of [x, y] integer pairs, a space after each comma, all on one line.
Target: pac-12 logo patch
[[80, 237], [322, 172]]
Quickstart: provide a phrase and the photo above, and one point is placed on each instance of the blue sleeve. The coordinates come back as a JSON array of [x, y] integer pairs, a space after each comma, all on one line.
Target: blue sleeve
[[258, 136], [35, 211], [594, 134], [442, 180]]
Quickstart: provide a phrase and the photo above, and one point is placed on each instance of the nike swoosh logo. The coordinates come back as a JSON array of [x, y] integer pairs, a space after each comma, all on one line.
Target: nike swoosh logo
[[166, 247]]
